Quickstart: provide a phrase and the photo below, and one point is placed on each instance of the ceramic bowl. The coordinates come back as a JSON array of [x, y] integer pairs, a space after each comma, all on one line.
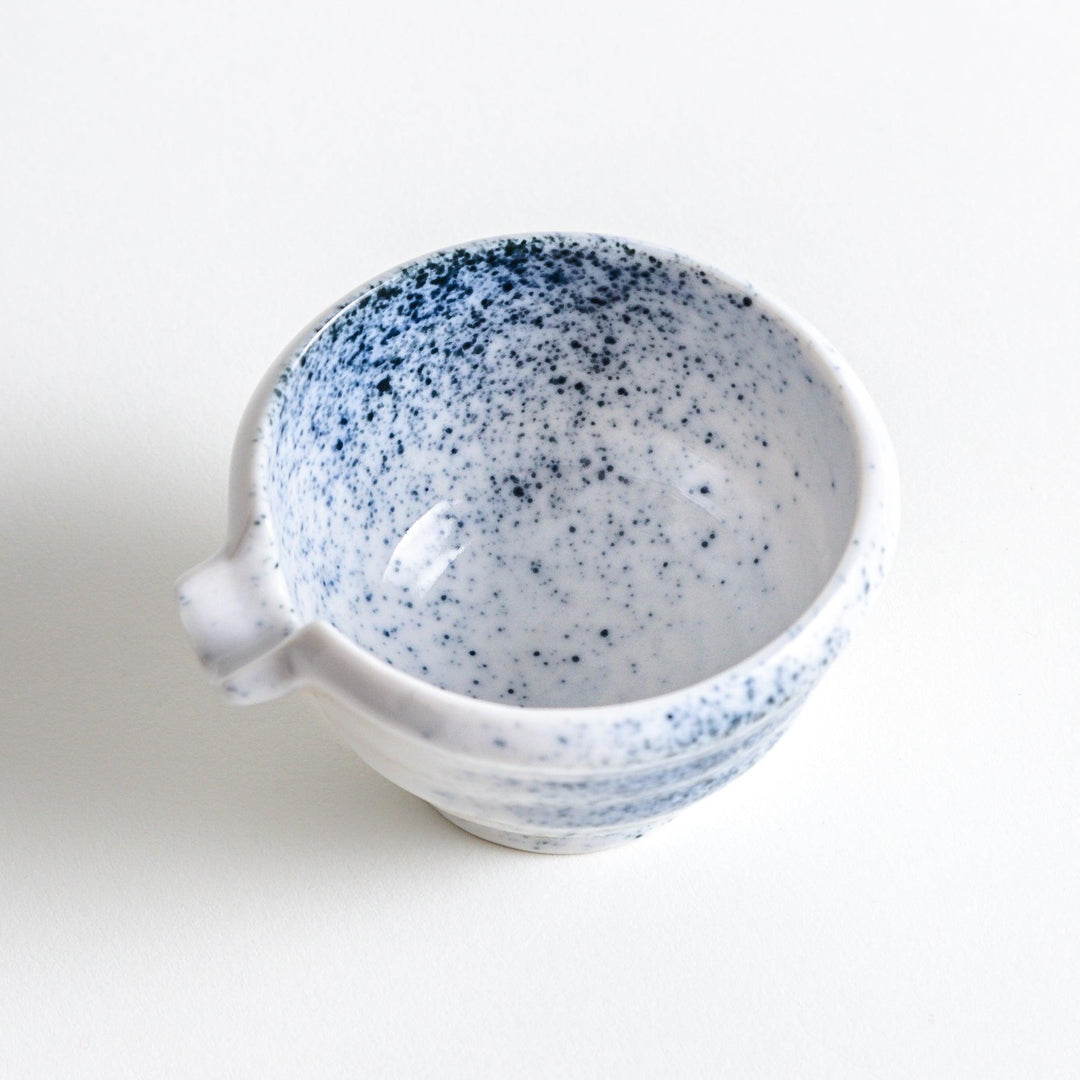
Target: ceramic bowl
[[561, 530]]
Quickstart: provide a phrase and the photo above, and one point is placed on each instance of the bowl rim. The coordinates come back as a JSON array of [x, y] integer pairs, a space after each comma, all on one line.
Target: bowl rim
[[875, 517]]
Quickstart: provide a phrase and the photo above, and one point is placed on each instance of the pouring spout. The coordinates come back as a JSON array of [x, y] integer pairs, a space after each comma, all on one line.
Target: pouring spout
[[240, 628]]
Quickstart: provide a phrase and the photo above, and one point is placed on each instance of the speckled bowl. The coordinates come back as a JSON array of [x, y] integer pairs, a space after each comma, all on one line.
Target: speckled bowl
[[561, 530]]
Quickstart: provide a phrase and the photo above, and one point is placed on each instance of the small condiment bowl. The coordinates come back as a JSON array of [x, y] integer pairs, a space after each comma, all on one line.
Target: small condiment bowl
[[560, 529]]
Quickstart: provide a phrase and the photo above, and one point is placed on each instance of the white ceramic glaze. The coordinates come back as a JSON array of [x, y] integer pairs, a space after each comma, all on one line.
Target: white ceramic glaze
[[561, 530]]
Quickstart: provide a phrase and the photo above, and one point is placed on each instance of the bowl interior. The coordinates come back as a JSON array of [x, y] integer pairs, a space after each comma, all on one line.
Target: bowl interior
[[558, 471]]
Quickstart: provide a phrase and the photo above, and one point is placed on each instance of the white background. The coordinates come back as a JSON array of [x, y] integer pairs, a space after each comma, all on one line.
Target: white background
[[188, 889]]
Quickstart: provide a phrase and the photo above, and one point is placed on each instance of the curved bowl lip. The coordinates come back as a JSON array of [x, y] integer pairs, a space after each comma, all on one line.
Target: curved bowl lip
[[876, 512]]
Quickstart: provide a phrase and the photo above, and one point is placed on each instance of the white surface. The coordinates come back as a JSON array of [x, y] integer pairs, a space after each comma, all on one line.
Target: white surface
[[187, 889]]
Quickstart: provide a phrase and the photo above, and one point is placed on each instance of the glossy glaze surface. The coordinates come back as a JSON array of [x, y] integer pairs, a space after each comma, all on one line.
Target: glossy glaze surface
[[562, 528], [557, 473]]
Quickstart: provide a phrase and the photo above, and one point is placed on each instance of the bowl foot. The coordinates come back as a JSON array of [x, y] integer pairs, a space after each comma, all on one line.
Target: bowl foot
[[574, 843]]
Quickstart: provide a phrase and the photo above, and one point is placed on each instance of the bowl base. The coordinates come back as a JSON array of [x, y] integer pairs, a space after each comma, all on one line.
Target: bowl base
[[576, 843]]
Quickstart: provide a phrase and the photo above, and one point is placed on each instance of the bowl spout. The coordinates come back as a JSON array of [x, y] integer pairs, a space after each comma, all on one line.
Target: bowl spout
[[243, 638]]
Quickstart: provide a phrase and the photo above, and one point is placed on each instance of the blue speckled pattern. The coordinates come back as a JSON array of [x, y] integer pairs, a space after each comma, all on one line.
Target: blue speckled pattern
[[557, 473], [562, 529]]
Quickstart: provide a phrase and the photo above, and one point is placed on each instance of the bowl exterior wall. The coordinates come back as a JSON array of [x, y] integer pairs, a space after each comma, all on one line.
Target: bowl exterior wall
[[557, 810]]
